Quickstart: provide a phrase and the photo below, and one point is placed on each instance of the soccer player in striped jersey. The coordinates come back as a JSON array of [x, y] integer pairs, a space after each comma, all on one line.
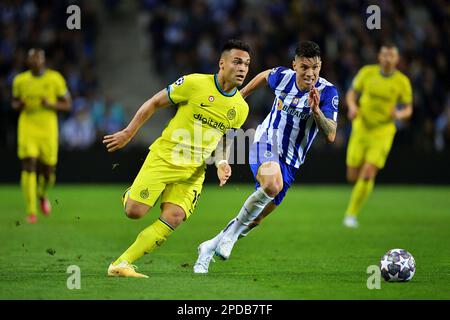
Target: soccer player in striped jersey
[[304, 104]]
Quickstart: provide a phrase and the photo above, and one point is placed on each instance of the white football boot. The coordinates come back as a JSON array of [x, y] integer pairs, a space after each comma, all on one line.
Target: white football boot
[[205, 255], [351, 222], [224, 248]]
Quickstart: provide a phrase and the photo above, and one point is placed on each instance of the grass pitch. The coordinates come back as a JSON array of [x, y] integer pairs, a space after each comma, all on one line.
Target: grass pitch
[[301, 251]]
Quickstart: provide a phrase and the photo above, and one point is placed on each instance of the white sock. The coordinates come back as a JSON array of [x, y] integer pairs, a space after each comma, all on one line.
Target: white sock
[[252, 207], [215, 241], [246, 231]]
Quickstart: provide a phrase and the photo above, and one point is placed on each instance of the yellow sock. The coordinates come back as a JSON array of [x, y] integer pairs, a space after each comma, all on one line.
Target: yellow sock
[[147, 241], [45, 184], [28, 182], [360, 193]]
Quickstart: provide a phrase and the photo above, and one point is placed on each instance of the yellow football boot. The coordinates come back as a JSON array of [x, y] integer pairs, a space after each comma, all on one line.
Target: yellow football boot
[[124, 269]]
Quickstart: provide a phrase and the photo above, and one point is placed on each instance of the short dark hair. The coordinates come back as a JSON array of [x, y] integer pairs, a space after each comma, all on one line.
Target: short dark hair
[[307, 49], [235, 44], [388, 44], [36, 50]]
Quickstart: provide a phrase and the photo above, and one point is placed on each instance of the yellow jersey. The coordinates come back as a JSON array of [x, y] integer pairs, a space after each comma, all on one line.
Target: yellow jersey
[[379, 95], [35, 119], [205, 113]]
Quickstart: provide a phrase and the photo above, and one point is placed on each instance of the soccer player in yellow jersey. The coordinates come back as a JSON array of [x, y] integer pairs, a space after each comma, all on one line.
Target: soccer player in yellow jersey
[[208, 107], [385, 95], [38, 94]]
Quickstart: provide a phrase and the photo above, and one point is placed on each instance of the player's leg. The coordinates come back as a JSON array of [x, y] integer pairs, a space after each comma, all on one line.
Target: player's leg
[[28, 153], [137, 201], [356, 152], [148, 185], [288, 174], [48, 157], [154, 235], [270, 182], [135, 209], [353, 174], [375, 158], [46, 180], [178, 201], [361, 191], [255, 223], [122, 267], [28, 183], [264, 163]]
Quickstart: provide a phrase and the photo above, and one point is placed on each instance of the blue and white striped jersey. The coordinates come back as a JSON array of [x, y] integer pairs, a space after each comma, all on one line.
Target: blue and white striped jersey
[[290, 123]]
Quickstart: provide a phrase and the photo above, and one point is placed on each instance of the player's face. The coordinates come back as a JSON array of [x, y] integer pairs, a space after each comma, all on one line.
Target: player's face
[[388, 58], [235, 65], [307, 71], [36, 59]]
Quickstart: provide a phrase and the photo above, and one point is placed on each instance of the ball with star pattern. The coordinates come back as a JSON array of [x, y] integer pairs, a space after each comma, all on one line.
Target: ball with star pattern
[[397, 265]]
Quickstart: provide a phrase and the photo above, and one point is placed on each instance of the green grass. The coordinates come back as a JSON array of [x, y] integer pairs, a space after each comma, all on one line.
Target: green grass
[[302, 251]]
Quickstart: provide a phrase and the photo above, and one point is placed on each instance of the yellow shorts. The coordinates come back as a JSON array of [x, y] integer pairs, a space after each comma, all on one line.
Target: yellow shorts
[[175, 184], [373, 147], [43, 148]]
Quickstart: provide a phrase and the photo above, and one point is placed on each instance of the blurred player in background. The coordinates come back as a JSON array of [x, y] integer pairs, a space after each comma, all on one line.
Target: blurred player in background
[[379, 95], [209, 105], [304, 104], [38, 94]]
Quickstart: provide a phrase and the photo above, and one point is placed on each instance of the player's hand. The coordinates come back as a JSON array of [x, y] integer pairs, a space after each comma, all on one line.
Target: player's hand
[[18, 104], [314, 100], [117, 140], [224, 173], [395, 114], [352, 113], [46, 104]]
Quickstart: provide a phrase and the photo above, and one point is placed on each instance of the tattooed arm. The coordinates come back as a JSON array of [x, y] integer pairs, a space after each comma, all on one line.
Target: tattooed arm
[[325, 125]]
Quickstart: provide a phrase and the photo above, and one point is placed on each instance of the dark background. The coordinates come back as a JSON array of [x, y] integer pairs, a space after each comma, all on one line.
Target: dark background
[[185, 36]]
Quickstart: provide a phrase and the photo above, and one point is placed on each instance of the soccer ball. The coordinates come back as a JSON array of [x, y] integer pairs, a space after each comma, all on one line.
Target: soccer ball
[[397, 265]]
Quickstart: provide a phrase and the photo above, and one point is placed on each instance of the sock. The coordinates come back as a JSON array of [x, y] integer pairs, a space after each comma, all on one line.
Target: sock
[[44, 185], [360, 193], [28, 182], [215, 241], [252, 207], [148, 240], [247, 230]]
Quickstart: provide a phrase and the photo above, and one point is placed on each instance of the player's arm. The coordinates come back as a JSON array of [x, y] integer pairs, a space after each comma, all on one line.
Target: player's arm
[[17, 104], [404, 113], [63, 103], [325, 125], [255, 83], [121, 138], [355, 90], [64, 100], [351, 98], [406, 106], [222, 154]]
